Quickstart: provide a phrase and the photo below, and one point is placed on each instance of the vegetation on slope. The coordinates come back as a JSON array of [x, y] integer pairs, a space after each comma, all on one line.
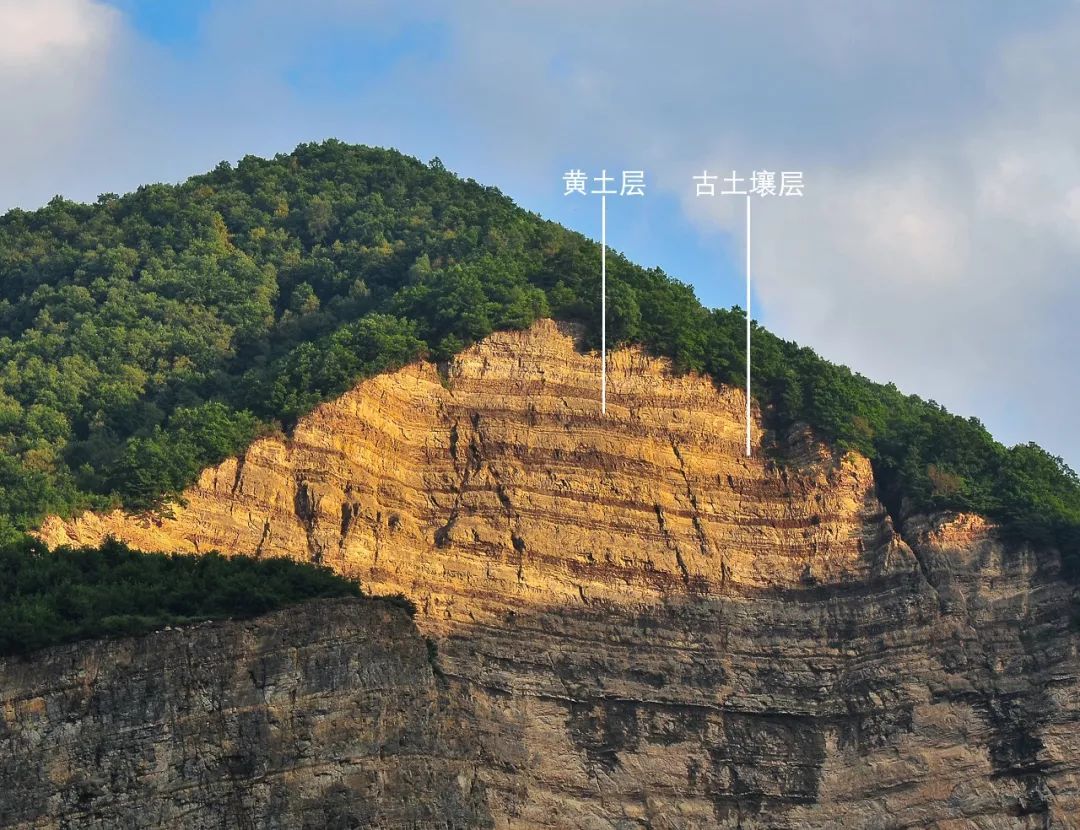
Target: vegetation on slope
[[145, 336], [49, 597]]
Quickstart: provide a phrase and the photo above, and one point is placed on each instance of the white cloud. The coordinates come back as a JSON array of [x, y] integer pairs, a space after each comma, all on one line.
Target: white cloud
[[55, 60], [39, 34], [949, 265]]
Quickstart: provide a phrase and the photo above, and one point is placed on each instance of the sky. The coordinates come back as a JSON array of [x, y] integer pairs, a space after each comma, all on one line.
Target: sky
[[936, 244]]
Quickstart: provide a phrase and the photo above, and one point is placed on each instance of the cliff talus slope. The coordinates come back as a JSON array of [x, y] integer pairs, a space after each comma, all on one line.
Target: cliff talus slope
[[644, 628]]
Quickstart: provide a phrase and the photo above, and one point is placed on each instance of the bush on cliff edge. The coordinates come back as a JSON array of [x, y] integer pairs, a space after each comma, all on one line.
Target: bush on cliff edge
[[49, 597]]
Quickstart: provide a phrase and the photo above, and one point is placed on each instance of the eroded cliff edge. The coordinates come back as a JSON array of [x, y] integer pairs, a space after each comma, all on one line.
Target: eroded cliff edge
[[652, 630], [326, 715]]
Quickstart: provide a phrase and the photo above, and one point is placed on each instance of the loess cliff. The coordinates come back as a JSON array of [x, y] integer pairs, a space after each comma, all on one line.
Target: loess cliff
[[639, 627]]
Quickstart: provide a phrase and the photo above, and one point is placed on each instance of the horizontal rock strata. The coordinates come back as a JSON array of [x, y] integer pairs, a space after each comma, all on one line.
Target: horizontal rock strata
[[327, 715], [649, 629]]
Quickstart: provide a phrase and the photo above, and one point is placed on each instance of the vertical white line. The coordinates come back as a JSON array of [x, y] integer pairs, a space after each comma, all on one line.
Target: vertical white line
[[748, 326], [603, 304]]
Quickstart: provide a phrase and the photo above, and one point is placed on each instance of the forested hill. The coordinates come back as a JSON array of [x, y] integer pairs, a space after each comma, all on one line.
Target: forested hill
[[146, 336]]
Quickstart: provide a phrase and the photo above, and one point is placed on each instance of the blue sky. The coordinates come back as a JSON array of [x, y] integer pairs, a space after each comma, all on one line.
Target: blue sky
[[341, 63], [937, 243], [174, 23]]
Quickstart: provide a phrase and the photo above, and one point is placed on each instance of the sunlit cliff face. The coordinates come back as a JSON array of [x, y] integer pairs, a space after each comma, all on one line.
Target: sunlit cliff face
[[649, 629]]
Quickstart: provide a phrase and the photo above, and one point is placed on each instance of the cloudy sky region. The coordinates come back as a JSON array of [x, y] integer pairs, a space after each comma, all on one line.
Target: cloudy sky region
[[937, 243]]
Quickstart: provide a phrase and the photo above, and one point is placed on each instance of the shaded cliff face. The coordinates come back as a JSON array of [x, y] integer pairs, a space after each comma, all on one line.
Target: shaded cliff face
[[327, 715], [648, 629]]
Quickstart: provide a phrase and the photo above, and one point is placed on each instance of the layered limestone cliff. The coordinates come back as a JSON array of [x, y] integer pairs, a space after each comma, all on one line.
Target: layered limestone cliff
[[327, 715], [646, 629]]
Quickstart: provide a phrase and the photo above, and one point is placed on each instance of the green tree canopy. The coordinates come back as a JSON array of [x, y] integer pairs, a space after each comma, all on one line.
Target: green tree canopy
[[147, 335]]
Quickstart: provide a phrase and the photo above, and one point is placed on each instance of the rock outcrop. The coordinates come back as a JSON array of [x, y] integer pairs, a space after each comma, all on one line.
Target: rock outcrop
[[327, 715], [648, 629]]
